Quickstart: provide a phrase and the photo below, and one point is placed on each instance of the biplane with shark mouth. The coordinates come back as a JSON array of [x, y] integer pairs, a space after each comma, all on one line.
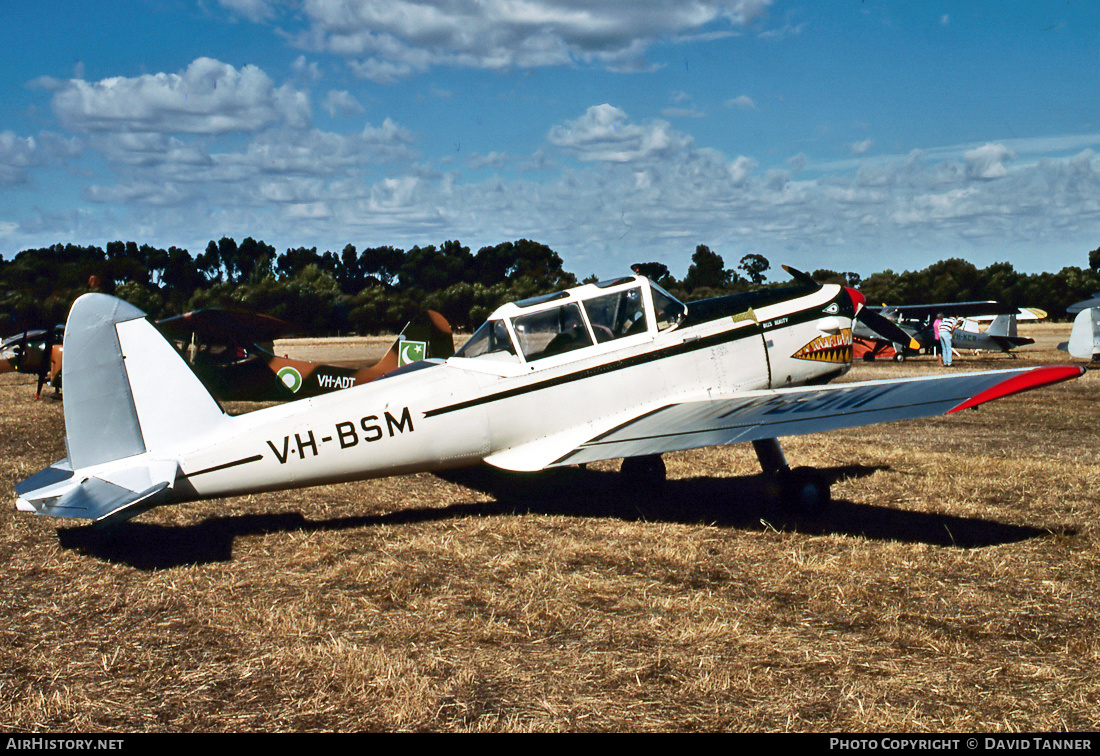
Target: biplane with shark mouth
[[616, 369]]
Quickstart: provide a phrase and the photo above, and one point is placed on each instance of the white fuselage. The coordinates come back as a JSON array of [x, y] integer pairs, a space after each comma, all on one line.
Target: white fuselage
[[466, 411]]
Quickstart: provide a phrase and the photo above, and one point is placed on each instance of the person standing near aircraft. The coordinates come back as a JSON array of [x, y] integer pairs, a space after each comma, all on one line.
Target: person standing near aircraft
[[944, 327]]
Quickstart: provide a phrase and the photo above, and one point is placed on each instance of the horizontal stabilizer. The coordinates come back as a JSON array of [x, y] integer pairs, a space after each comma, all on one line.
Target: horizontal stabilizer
[[107, 499]]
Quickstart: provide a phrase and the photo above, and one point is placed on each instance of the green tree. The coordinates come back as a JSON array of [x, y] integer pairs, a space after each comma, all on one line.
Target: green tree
[[707, 269], [754, 266]]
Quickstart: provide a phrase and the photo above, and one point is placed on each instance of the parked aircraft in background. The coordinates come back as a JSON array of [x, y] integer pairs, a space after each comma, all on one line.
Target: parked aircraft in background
[[231, 352], [37, 352], [617, 369], [1077, 307], [1084, 339], [916, 320]]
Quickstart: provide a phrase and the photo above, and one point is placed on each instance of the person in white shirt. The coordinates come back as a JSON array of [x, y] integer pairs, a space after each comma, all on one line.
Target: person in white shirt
[[946, 327]]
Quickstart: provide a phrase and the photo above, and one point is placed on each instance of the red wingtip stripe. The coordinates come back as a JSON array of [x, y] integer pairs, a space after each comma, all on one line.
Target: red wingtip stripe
[[1032, 379]]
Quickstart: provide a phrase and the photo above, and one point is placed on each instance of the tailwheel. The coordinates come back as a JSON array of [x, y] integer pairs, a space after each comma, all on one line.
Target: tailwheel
[[644, 474], [805, 490]]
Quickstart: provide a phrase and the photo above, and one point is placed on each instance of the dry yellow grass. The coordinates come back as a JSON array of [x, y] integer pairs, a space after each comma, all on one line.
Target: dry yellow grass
[[951, 588]]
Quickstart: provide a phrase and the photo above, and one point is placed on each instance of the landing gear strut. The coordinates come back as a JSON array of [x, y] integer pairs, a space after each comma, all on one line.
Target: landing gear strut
[[803, 489]]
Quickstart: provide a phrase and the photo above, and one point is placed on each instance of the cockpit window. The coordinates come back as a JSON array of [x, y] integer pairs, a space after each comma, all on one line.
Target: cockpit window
[[616, 315], [670, 311], [491, 341], [550, 332]]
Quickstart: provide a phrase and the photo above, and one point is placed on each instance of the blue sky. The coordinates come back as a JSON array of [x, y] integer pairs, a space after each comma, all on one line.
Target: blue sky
[[848, 135]]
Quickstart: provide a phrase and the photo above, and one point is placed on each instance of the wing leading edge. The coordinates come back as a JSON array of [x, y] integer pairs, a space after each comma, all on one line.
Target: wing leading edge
[[790, 412]]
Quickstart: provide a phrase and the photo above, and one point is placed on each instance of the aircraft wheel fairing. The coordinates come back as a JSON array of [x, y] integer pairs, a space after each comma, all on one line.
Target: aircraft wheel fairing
[[805, 489]]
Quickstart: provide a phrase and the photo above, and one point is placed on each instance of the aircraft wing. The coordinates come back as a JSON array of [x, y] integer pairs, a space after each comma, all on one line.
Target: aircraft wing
[[225, 326], [959, 309], [765, 414]]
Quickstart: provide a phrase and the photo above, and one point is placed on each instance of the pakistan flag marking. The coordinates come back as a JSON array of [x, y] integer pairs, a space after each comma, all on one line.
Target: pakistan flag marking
[[411, 351]]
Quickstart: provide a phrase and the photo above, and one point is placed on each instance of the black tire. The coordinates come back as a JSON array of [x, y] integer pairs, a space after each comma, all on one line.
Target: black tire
[[643, 474], [805, 490]]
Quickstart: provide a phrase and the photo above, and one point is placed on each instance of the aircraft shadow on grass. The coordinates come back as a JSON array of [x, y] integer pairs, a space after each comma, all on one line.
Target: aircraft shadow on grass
[[737, 503]]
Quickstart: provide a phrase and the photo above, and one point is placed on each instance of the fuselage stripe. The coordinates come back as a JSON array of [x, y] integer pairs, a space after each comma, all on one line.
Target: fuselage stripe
[[245, 461]]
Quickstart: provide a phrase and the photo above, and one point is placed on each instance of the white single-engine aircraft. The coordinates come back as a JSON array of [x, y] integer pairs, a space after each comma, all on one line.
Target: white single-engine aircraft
[[618, 369]]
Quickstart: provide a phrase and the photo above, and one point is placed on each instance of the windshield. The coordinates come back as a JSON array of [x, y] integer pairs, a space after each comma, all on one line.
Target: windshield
[[670, 310], [491, 340]]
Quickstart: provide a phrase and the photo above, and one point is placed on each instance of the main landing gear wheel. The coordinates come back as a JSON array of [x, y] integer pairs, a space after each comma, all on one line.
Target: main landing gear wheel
[[644, 475], [804, 490]]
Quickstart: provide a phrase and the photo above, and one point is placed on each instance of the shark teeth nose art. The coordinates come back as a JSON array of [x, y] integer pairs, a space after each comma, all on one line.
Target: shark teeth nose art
[[835, 347]]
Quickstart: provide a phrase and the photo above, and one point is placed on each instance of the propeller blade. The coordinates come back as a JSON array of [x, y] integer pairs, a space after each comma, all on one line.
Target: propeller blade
[[885, 328]]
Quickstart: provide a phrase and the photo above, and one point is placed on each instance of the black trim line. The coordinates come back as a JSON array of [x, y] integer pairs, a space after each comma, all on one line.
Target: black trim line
[[245, 461]]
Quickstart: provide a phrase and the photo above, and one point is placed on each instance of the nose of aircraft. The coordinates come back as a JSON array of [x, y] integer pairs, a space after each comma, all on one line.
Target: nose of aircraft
[[858, 300]]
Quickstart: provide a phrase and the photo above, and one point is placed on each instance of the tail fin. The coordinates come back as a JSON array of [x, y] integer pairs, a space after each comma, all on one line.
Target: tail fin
[[1002, 325], [1084, 339], [431, 328], [130, 400]]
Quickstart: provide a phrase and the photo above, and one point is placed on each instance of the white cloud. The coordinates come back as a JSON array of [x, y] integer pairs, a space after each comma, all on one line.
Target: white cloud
[[605, 214], [744, 102], [603, 134], [386, 40], [253, 10], [740, 169], [491, 160], [341, 102], [16, 155], [860, 148], [209, 97], [988, 161]]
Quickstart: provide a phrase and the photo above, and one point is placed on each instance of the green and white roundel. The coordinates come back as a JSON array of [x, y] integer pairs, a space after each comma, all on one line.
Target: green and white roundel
[[290, 378]]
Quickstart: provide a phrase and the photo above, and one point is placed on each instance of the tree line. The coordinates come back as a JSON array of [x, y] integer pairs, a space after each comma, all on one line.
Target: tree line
[[379, 289]]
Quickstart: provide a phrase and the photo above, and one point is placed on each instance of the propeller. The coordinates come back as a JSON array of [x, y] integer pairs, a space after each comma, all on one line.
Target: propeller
[[885, 327]]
